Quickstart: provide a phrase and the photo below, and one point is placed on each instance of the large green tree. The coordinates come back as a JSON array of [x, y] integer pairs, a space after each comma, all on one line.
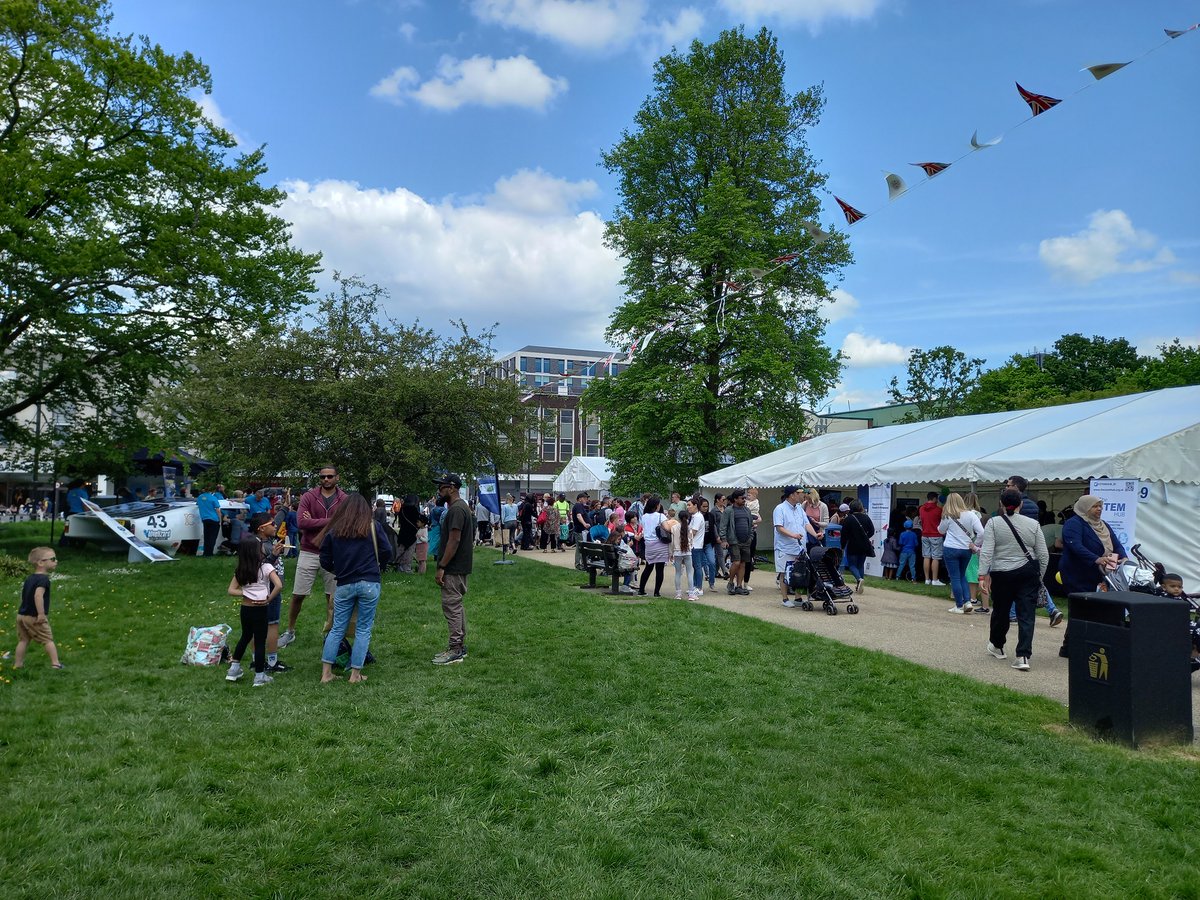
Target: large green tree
[[130, 233], [716, 181], [389, 404], [937, 382]]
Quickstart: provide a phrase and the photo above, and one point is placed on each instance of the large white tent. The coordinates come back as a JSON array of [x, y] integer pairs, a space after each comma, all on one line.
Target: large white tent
[[1154, 437], [584, 473]]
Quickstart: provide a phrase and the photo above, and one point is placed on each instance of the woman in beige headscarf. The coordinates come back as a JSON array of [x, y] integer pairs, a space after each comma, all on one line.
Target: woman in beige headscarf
[[1090, 547]]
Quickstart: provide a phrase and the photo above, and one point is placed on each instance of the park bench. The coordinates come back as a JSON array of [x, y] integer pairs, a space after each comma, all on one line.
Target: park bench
[[598, 557]]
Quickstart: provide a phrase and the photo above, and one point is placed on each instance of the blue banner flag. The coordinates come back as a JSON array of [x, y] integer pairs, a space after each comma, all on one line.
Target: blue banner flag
[[487, 494]]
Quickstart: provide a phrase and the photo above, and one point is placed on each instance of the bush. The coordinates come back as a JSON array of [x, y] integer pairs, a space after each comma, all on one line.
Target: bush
[[12, 567]]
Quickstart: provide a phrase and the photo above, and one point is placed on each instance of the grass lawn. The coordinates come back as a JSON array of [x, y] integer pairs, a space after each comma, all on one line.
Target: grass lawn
[[585, 749]]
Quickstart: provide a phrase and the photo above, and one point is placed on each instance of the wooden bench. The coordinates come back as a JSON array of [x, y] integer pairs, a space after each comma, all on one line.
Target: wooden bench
[[599, 557]]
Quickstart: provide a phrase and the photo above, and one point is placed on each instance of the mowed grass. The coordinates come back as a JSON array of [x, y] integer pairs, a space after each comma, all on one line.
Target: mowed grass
[[585, 749]]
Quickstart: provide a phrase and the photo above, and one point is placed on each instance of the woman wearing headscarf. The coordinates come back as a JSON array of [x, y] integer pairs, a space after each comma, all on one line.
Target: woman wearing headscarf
[[1012, 560], [1090, 548]]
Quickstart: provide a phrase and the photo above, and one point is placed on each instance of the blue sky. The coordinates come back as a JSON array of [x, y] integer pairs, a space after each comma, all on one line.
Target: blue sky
[[449, 150]]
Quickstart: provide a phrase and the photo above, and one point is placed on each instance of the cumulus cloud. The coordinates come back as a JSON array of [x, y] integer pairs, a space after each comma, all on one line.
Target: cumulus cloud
[[863, 351], [524, 255], [812, 13], [842, 305], [593, 25], [1110, 245], [211, 111], [479, 81]]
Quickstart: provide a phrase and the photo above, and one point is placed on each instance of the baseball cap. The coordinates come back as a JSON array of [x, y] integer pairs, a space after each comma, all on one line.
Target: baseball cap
[[448, 479], [845, 507], [789, 490]]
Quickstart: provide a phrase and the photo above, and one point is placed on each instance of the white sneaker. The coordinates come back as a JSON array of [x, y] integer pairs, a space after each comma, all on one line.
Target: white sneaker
[[678, 595], [997, 652], [747, 587], [937, 583], [927, 581], [956, 609], [235, 672], [789, 603], [285, 638], [627, 589], [1021, 663], [262, 678]]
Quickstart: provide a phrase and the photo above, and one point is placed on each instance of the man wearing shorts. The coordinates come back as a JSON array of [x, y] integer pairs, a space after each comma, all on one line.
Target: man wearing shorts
[[931, 539], [792, 525], [313, 513], [736, 532]]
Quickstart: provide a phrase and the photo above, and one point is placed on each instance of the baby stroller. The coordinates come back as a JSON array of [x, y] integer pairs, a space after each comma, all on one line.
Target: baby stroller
[[1144, 576], [818, 571]]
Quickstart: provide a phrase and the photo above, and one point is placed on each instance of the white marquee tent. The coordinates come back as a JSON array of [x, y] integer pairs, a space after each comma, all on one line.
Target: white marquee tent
[[584, 473], [1154, 437]]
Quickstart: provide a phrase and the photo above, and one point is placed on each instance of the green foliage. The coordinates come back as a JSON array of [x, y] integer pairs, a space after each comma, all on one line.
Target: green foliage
[[1176, 365], [12, 567], [938, 382], [128, 236], [716, 181], [388, 404], [1091, 364]]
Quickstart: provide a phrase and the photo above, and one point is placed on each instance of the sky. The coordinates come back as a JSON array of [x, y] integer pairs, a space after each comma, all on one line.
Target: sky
[[449, 151]]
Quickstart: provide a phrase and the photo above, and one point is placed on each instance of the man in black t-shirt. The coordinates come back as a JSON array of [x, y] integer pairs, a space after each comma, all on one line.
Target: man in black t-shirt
[[580, 523], [455, 557]]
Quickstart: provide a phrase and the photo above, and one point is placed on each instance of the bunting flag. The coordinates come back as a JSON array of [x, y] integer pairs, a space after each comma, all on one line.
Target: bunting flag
[[1104, 69], [852, 214], [814, 231], [1039, 103], [896, 185], [1174, 34], [731, 287], [932, 169], [977, 145], [788, 257]]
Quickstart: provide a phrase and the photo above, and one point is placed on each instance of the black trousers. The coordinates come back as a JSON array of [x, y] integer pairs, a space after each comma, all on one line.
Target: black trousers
[[1019, 586], [658, 569], [211, 530], [254, 625]]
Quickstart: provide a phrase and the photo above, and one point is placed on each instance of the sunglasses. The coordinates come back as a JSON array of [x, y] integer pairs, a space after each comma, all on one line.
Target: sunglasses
[[326, 477], [48, 559]]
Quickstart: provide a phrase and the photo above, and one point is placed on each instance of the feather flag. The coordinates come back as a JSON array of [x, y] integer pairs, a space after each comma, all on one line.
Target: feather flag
[[896, 185], [816, 232], [1039, 103], [976, 145], [852, 214], [931, 168], [1105, 69]]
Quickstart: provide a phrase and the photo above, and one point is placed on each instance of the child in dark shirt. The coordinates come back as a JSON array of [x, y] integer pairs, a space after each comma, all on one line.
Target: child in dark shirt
[[33, 616]]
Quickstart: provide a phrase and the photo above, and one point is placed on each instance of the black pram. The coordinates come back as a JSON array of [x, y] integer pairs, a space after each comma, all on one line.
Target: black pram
[[818, 571]]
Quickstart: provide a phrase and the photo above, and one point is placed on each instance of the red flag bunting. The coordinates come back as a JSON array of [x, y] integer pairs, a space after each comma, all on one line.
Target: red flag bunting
[[1039, 103], [787, 257], [852, 214], [931, 168]]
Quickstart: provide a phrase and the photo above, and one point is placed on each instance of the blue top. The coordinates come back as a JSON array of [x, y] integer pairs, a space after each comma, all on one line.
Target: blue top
[[254, 505], [352, 560], [508, 513], [909, 539], [209, 505], [598, 533], [75, 498]]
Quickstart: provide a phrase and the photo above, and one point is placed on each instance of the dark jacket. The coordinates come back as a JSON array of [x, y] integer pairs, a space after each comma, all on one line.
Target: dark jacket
[[1081, 549], [352, 560], [857, 531], [312, 504]]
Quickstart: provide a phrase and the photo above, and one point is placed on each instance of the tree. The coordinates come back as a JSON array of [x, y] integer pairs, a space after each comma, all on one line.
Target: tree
[[1021, 383], [716, 182], [938, 382], [388, 404], [1091, 364], [1177, 365], [128, 237]]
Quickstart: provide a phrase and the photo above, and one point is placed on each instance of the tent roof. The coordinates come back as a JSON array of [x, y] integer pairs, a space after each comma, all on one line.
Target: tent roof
[[584, 473], [1153, 436]]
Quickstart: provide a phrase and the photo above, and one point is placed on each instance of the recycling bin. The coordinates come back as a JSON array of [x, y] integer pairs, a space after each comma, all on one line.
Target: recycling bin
[[1129, 677]]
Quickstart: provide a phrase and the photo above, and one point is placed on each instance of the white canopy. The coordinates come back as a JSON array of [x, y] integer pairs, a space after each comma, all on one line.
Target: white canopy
[[1153, 436], [584, 473]]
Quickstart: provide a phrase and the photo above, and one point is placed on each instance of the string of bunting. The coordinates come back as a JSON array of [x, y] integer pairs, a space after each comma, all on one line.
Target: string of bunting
[[897, 188]]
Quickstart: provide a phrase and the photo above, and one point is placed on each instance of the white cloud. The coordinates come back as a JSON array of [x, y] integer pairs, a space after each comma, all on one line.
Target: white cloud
[[523, 256], [480, 80], [408, 31], [846, 398], [812, 13], [863, 352], [595, 25], [842, 305], [1110, 245], [212, 112]]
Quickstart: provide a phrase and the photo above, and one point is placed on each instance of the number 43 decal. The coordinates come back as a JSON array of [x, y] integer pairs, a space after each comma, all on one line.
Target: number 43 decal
[[159, 521]]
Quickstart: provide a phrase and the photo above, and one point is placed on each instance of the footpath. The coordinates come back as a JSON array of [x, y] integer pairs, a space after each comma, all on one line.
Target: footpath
[[910, 626]]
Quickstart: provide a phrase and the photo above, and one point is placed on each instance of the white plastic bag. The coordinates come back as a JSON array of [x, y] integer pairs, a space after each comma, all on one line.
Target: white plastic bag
[[205, 645]]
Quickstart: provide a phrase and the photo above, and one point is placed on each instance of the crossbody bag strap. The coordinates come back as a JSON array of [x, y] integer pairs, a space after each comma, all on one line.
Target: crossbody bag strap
[[1020, 543], [375, 543]]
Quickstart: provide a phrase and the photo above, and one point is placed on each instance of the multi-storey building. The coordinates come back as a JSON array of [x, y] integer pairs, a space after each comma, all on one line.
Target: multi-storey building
[[551, 380]]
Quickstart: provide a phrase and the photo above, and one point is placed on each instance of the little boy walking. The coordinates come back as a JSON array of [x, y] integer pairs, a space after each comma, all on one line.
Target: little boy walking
[[33, 616]]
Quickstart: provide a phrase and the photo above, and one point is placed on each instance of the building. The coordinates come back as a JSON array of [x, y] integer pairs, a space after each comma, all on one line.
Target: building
[[551, 380]]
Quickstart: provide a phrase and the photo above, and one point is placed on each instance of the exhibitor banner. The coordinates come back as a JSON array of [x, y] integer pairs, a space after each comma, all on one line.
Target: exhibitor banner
[[487, 494], [879, 505], [1120, 496]]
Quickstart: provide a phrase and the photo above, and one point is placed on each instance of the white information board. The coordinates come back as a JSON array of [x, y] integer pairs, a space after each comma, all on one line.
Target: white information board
[[879, 507], [1120, 496]]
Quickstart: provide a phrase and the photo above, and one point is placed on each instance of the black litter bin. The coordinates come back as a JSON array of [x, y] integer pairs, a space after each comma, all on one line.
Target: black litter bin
[[1129, 675]]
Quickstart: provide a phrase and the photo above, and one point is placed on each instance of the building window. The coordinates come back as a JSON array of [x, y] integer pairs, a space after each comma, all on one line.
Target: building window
[[566, 434], [592, 440]]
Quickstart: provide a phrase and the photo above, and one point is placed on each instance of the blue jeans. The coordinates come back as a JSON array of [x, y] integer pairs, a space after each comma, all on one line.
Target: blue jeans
[[855, 563], [956, 561], [365, 596], [908, 562], [699, 561], [710, 564]]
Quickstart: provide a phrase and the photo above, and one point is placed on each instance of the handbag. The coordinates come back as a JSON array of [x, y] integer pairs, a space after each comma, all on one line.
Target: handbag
[[662, 534]]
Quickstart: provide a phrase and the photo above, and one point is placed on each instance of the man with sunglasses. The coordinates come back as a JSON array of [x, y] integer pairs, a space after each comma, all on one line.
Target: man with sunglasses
[[313, 513]]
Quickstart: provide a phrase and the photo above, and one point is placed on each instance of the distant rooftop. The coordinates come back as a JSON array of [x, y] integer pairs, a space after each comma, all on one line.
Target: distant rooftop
[[559, 351]]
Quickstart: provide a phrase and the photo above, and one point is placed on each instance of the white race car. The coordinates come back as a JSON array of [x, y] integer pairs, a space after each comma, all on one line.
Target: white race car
[[169, 525]]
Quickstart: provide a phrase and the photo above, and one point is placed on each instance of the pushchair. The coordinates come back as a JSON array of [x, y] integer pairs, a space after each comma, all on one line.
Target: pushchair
[[818, 571], [1144, 576]]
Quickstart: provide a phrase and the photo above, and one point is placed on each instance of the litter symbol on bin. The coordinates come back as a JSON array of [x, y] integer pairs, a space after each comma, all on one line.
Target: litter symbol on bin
[[1098, 665]]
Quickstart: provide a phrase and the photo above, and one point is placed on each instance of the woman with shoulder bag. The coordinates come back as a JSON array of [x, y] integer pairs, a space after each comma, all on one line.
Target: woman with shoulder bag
[[1012, 560], [962, 530], [857, 531], [657, 550]]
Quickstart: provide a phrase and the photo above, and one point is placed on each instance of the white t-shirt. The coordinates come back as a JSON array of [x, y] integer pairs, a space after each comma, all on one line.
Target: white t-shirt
[[696, 530]]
